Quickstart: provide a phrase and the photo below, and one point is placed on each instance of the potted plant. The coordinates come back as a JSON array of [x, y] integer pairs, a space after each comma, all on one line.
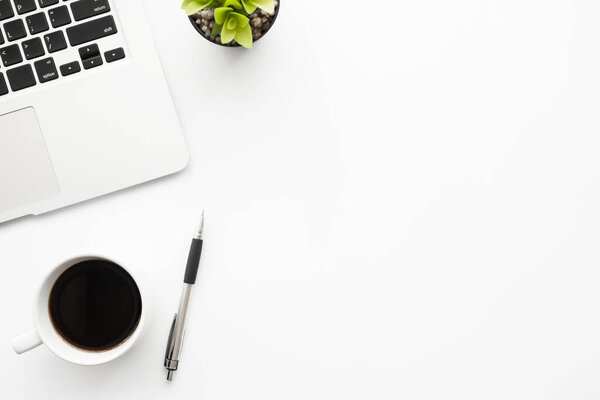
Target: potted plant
[[232, 22]]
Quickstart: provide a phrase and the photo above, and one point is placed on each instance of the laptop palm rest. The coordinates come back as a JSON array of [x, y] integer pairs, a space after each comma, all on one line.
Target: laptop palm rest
[[26, 172]]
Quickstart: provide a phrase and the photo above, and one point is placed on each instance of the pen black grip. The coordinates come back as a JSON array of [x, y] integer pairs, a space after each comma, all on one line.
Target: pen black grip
[[193, 262]]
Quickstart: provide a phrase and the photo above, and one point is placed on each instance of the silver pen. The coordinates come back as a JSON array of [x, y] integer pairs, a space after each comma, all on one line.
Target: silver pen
[[177, 332]]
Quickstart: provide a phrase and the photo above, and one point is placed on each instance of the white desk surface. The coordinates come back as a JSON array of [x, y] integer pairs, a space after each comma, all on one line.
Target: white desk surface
[[401, 205]]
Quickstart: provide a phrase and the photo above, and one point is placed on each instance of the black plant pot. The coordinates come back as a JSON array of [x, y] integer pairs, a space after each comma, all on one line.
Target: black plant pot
[[232, 44]]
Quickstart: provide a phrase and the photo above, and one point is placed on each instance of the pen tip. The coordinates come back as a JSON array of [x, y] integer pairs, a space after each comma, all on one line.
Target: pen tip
[[200, 227]]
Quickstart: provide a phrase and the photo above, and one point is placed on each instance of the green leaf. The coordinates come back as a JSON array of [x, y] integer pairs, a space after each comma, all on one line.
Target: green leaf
[[193, 6], [244, 36], [227, 35], [221, 14], [248, 6], [241, 21], [267, 5], [235, 4], [216, 30], [231, 24]]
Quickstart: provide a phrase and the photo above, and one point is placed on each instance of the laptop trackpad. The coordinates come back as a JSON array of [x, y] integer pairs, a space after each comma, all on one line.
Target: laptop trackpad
[[26, 171]]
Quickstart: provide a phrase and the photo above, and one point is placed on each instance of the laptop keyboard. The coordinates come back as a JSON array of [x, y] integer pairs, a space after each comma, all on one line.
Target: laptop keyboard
[[36, 35]]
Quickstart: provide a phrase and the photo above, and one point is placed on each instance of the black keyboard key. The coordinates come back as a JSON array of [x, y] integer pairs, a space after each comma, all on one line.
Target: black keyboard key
[[21, 77], [33, 48], [10, 55], [25, 6], [3, 86], [1, 38], [84, 9], [70, 68], [59, 16], [37, 23], [15, 30], [89, 51], [46, 70], [55, 41], [92, 62], [92, 30], [6, 10], [114, 55], [47, 3]]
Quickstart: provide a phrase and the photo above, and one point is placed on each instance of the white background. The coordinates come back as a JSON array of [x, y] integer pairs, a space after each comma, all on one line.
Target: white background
[[403, 202]]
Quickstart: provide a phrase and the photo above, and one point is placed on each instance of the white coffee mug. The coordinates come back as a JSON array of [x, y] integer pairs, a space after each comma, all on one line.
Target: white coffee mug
[[45, 332]]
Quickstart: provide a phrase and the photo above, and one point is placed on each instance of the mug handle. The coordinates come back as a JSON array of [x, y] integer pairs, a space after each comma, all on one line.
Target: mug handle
[[26, 342]]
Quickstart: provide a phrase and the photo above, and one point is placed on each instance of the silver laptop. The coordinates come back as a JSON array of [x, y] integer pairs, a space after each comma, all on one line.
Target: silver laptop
[[84, 106]]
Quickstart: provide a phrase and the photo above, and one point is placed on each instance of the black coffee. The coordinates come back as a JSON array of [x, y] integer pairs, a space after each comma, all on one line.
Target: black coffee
[[95, 305]]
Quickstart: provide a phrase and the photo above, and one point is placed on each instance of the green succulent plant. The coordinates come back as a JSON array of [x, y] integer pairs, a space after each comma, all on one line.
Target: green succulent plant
[[231, 17], [232, 25]]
